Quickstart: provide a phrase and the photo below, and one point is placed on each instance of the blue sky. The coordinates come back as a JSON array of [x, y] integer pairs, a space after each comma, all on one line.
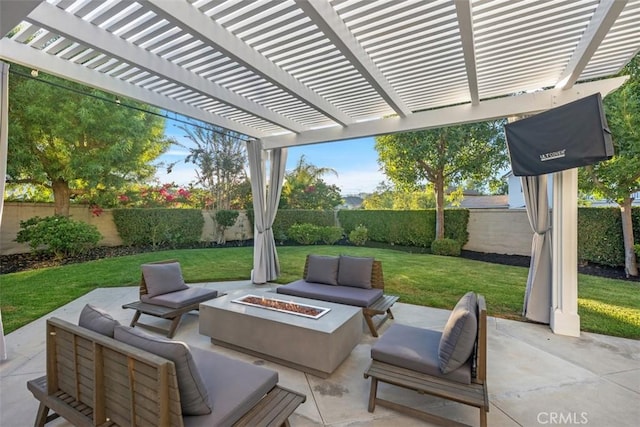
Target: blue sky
[[355, 161]]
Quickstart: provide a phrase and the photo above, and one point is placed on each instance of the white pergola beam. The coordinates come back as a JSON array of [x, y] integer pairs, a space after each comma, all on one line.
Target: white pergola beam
[[465, 25], [30, 57], [224, 41], [528, 103], [325, 17], [57, 21], [601, 22], [13, 12]]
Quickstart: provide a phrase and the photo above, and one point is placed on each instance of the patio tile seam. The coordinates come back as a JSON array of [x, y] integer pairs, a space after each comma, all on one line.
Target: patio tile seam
[[315, 401], [505, 413], [616, 383]]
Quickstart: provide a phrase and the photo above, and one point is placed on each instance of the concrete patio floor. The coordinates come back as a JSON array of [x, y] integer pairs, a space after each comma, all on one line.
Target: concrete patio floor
[[534, 377]]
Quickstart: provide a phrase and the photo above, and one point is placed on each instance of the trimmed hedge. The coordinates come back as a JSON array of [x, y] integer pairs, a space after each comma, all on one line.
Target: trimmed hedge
[[155, 227], [600, 235], [285, 218], [408, 228]]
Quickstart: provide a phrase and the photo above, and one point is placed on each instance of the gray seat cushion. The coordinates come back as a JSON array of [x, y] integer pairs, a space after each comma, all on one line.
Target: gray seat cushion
[[339, 294], [178, 299], [97, 320], [416, 349], [355, 271], [194, 397], [234, 387], [163, 278], [323, 269], [459, 334]]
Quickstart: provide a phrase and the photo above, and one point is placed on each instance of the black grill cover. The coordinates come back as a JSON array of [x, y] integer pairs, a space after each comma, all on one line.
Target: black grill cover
[[573, 135]]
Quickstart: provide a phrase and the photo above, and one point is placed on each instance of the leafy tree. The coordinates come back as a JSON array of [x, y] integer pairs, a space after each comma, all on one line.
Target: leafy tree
[[74, 141], [221, 159], [444, 157], [304, 188], [618, 178], [388, 197]]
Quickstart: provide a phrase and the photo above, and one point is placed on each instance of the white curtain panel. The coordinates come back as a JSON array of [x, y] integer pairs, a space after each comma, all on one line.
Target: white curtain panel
[[266, 266], [537, 297], [4, 140]]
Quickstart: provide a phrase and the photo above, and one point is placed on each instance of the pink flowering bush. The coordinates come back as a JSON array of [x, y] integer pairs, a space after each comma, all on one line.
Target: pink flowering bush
[[164, 196]]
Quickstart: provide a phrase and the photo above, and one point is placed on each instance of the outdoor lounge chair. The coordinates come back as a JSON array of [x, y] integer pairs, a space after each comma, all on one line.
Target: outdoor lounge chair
[[164, 294], [451, 364]]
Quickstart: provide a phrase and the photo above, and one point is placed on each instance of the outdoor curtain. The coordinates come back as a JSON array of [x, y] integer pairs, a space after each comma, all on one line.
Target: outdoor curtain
[[537, 297], [266, 266], [4, 139]]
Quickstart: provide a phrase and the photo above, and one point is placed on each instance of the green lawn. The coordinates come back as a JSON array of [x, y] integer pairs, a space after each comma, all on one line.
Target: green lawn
[[606, 306]]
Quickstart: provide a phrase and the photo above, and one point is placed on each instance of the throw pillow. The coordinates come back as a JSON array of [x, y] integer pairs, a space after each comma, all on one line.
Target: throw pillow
[[163, 278], [323, 269], [194, 397], [97, 320], [459, 334], [355, 271]]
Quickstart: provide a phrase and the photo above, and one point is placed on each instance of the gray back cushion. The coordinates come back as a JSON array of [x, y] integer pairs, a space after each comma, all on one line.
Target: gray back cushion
[[194, 397], [323, 269], [163, 278], [355, 271], [459, 334], [98, 320]]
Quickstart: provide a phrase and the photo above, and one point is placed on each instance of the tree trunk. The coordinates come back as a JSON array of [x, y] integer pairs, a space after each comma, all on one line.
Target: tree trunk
[[630, 262], [439, 189], [61, 196]]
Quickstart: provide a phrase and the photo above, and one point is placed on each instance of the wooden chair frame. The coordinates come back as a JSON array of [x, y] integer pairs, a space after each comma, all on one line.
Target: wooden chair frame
[[474, 394], [168, 313], [94, 380]]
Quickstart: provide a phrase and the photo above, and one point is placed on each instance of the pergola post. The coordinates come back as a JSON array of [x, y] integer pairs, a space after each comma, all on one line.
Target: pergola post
[[564, 285]]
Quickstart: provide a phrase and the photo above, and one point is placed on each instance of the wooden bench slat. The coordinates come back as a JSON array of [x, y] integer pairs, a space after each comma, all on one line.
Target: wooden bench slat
[[119, 385], [272, 410]]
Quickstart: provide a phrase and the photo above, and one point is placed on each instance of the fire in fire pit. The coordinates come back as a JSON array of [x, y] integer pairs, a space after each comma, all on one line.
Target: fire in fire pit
[[290, 307]]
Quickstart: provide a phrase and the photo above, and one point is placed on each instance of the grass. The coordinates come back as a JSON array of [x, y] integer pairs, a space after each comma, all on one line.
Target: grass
[[605, 306]]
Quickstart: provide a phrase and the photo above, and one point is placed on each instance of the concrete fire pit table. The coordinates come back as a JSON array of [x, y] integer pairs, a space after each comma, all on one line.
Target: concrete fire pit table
[[317, 346]]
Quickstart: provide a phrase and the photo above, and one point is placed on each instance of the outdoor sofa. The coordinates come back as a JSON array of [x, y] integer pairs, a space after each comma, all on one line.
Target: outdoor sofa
[[102, 373], [349, 280]]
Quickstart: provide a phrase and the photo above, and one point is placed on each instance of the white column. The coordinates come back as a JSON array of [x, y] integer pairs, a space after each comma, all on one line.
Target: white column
[[564, 292]]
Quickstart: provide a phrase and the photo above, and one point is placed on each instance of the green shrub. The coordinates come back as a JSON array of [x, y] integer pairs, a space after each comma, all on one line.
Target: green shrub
[[359, 235], [409, 228], [58, 235], [285, 218], [636, 249], [447, 247], [330, 235], [158, 227], [224, 219], [600, 235], [305, 234]]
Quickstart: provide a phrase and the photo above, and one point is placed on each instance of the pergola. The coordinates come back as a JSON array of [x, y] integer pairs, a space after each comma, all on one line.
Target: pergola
[[294, 72]]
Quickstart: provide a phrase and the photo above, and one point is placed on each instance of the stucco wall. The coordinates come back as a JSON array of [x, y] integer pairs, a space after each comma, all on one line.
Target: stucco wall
[[502, 231], [499, 231], [16, 212]]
